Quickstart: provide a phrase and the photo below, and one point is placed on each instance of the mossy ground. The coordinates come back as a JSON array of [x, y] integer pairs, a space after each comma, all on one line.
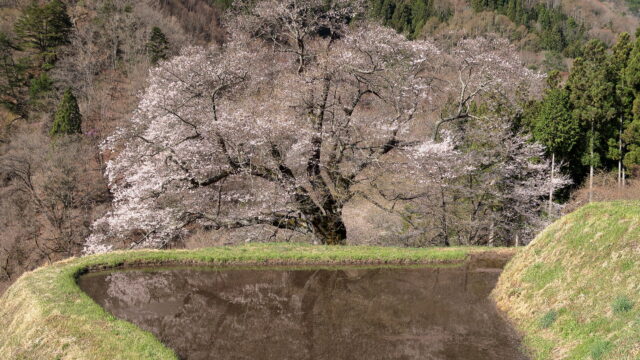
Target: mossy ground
[[45, 315], [574, 292]]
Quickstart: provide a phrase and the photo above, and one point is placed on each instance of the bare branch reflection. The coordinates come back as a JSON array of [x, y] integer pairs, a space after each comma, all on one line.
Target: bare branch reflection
[[350, 313]]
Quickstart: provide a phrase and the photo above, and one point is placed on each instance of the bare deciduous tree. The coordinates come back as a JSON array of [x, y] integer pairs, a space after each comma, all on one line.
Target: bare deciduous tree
[[51, 192]]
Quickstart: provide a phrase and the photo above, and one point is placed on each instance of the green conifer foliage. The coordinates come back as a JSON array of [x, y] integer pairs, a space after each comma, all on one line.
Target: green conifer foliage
[[44, 28], [158, 45], [407, 17], [594, 120], [13, 79], [631, 134], [68, 119], [39, 86], [592, 94], [617, 63], [557, 31], [554, 126]]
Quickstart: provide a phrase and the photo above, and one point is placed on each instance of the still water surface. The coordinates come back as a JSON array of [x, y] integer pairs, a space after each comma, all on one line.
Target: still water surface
[[344, 313]]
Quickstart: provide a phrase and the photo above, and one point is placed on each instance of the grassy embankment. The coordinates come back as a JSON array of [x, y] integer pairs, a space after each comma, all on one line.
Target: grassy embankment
[[574, 292], [44, 315]]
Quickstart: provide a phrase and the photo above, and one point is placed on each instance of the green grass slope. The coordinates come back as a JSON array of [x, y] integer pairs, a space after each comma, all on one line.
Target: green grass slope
[[45, 315], [574, 292]]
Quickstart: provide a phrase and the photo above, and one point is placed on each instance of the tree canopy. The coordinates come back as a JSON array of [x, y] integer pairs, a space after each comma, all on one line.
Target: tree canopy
[[44, 27], [242, 135], [67, 119], [591, 121], [157, 46]]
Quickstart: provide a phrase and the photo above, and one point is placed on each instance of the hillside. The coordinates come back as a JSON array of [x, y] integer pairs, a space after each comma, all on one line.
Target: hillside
[[575, 290], [467, 121], [548, 34]]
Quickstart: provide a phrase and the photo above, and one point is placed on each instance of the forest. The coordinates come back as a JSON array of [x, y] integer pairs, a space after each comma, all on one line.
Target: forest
[[556, 31], [189, 123]]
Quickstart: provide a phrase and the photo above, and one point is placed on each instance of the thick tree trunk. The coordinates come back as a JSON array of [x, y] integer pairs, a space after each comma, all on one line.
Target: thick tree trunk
[[445, 229], [329, 228]]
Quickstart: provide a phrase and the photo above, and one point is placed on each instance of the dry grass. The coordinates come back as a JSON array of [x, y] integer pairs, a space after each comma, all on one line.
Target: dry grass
[[586, 268], [605, 188]]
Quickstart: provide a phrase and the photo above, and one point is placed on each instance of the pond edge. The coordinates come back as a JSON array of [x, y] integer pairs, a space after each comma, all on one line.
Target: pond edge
[[45, 315]]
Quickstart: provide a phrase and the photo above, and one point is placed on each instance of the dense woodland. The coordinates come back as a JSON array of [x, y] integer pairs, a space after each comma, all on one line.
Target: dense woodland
[[555, 30], [592, 119], [172, 123]]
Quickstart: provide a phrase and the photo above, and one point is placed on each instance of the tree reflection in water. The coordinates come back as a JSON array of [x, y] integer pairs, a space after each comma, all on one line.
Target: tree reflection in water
[[347, 313]]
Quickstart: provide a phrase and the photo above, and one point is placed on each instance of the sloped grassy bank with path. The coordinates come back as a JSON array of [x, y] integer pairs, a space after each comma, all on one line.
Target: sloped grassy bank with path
[[45, 315], [574, 292]]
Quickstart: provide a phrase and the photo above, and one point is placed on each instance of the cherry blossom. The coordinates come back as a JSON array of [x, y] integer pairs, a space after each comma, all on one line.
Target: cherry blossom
[[282, 124]]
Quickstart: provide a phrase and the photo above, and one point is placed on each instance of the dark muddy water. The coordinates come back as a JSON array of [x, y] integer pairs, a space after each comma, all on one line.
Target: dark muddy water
[[344, 313]]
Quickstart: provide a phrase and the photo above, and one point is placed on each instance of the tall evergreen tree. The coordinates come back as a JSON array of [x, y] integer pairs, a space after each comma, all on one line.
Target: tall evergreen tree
[[554, 126], [157, 46], [592, 96], [631, 78], [44, 27], [68, 119], [617, 63]]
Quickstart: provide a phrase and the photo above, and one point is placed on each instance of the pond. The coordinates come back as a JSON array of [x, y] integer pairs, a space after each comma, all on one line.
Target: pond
[[321, 313]]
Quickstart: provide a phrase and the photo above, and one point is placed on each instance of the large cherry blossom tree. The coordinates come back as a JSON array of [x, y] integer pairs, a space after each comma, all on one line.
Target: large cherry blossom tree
[[282, 124]]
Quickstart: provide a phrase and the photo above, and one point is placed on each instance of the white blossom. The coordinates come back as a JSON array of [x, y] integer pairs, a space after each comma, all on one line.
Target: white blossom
[[280, 129]]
